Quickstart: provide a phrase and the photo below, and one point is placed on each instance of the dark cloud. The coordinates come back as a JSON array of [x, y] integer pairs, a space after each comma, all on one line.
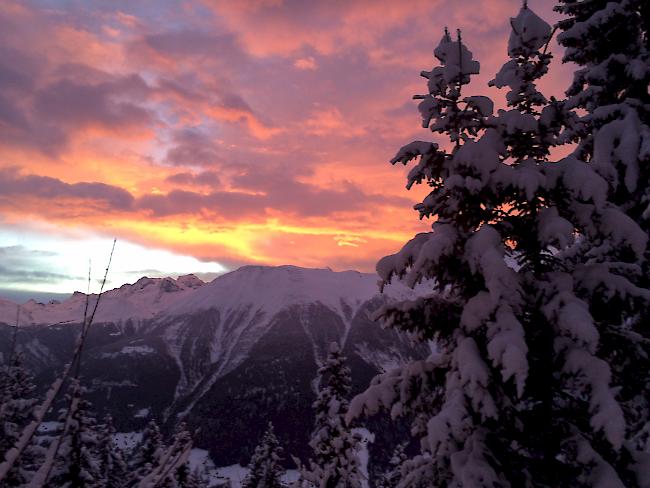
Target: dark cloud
[[206, 178], [192, 147], [43, 117], [259, 192], [22, 296], [10, 276], [43, 100], [224, 204], [21, 266], [17, 70], [72, 103], [263, 191], [13, 185], [18, 74], [286, 193], [217, 47], [234, 101], [7, 252]]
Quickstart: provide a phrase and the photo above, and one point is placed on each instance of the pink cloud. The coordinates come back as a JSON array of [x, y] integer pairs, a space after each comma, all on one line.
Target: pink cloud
[[277, 115], [306, 63]]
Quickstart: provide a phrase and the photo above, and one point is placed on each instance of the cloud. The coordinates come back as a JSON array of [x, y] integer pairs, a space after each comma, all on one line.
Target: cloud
[[256, 193], [285, 27], [253, 131], [205, 178], [328, 121], [23, 265], [14, 186], [109, 104], [193, 148], [307, 63]]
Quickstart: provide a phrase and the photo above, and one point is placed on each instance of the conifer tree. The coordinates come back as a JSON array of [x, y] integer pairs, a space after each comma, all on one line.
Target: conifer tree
[[76, 463], [518, 393], [336, 460], [265, 468], [188, 478], [610, 42], [176, 472], [393, 475], [16, 405], [112, 466], [147, 453]]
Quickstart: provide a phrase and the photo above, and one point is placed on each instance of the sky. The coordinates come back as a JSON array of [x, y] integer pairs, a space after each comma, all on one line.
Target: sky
[[205, 135]]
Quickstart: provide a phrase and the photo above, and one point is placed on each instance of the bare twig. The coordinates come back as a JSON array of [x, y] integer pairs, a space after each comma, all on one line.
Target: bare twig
[[14, 337], [28, 432], [172, 459], [86, 326]]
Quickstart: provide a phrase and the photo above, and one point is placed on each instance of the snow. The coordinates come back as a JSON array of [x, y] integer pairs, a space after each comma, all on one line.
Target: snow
[[420, 253], [474, 376], [624, 231], [553, 229], [366, 438], [247, 299], [529, 33], [144, 299], [456, 59], [127, 440], [513, 122], [271, 289], [48, 427], [386, 359], [268, 289], [484, 105], [507, 348], [236, 473], [606, 413], [143, 413], [618, 143], [130, 351]]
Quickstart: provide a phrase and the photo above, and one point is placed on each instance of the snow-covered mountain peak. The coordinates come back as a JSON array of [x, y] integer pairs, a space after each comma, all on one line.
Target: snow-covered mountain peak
[[271, 288], [266, 289], [144, 299], [190, 281]]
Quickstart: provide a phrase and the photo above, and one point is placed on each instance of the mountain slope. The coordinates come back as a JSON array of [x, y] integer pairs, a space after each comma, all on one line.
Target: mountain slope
[[226, 356]]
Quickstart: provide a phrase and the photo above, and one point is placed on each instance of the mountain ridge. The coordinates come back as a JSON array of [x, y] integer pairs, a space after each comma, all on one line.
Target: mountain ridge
[[185, 349]]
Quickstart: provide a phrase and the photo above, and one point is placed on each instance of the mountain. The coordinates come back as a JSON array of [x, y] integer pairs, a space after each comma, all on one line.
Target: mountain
[[225, 356]]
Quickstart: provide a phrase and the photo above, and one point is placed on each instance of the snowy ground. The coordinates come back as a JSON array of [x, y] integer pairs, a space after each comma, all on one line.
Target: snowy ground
[[127, 440], [235, 473], [200, 460], [367, 438]]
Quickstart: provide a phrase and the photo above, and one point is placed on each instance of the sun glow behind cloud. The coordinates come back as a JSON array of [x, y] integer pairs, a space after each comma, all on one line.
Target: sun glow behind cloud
[[41, 262], [219, 133]]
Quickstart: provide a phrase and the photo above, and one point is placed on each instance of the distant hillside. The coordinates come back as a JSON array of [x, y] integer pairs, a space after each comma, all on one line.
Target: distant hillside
[[226, 356]]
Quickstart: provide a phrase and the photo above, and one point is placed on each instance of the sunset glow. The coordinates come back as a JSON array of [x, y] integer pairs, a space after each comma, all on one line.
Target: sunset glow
[[204, 135]]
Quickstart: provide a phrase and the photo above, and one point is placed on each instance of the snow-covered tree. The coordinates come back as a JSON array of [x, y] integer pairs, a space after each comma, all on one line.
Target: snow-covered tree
[[610, 42], [518, 393], [336, 459], [188, 478], [112, 466], [76, 464], [17, 402], [148, 452], [392, 476], [174, 465], [265, 467]]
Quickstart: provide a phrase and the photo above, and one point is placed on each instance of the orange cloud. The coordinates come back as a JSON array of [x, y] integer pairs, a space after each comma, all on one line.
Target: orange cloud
[[328, 121], [307, 63], [255, 131]]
